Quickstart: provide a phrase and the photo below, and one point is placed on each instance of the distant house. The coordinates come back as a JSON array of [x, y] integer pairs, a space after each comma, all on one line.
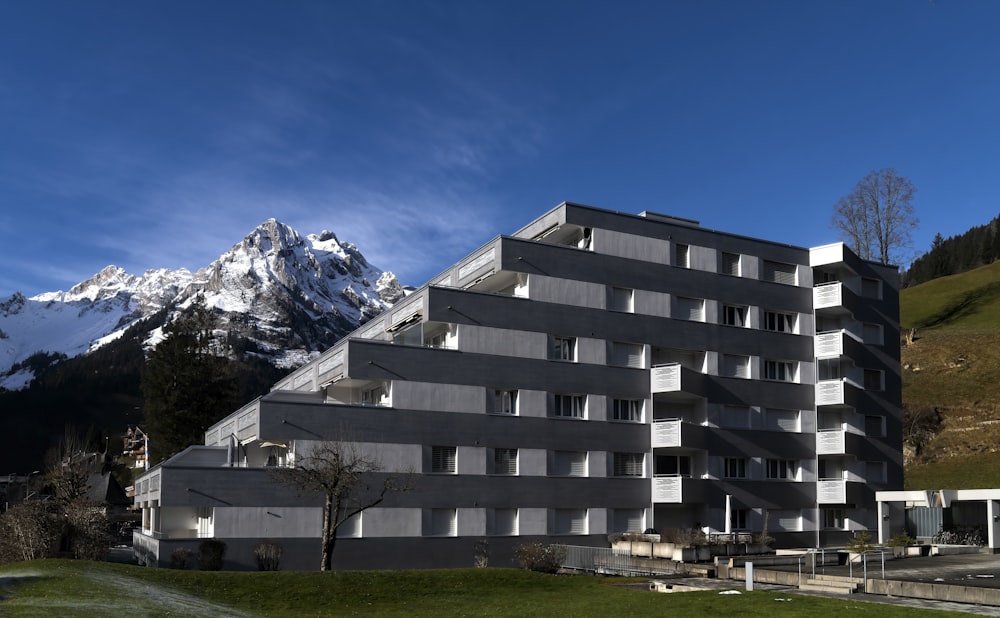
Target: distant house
[[595, 372]]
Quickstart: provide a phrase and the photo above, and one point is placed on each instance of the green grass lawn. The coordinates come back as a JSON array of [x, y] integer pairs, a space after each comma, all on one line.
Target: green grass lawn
[[78, 588], [979, 471]]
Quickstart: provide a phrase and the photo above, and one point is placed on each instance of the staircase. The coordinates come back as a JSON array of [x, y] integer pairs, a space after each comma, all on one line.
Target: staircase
[[833, 584]]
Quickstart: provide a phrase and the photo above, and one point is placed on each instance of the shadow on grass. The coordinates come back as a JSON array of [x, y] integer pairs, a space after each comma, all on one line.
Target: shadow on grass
[[9, 581]]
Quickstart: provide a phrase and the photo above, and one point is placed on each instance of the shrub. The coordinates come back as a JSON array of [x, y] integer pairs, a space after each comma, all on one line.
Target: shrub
[[540, 557], [861, 542], [88, 530], [180, 558], [28, 531], [960, 535], [210, 554], [481, 554], [268, 555], [900, 540], [684, 537]]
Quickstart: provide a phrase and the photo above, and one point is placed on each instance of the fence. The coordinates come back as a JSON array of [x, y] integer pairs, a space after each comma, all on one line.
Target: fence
[[607, 561]]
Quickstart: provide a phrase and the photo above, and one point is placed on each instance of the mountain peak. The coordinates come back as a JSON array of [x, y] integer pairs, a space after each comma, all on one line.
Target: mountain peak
[[283, 296]]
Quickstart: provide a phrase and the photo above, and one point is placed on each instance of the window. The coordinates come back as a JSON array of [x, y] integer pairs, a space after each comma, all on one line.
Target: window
[[375, 395], [737, 417], [443, 522], [828, 369], [563, 348], [782, 371], [443, 459], [738, 519], [734, 366], [436, 335], [673, 465], [730, 264], [505, 461], [784, 469], [504, 401], [626, 354], [871, 288], [682, 255], [569, 406], [629, 464], [778, 272], [875, 426], [569, 521], [690, 309], [824, 470], [875, 471], [621, 300], [568, 463], [872, 334], [780, 322], [351, 528], [501, 522], [786, 521], [834, 519], [781, 420], [735, 468], [873, 380], [734, 315], [627, 410], [628, 520]]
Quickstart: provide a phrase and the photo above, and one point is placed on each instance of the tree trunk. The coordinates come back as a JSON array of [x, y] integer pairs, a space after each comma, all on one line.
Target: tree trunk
[[327, 557]]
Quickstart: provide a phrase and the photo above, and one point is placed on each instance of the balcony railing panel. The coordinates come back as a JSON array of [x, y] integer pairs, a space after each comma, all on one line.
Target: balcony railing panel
[[828, 295], [830, 442], [829, 344], [665, 378], [665, 433], [831, 491], [668, 489], [829, 392]]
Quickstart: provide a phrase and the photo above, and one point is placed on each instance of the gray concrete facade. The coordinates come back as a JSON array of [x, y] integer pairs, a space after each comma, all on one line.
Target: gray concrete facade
[[595, 372]]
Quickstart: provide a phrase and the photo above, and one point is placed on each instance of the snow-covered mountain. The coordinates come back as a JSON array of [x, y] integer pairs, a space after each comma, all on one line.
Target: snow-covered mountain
[[286, 297]]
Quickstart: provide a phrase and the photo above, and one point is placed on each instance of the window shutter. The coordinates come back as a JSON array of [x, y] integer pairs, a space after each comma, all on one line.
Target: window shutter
[[779, 272]]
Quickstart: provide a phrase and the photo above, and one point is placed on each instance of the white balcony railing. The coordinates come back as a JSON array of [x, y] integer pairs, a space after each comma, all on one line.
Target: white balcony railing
[[828, 295], [665, 378], [829, 344], [831, 491], [668, 489], [829, 392], [665, 433], [830, 442]]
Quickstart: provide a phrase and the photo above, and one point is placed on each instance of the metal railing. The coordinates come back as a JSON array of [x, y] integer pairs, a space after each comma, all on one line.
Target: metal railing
[[608, 561]]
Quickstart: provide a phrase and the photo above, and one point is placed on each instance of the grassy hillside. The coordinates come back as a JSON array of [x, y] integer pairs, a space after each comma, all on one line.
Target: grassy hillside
[[953, 366]]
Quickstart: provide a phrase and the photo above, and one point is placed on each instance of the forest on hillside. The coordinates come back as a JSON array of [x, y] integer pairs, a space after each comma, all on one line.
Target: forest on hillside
[[949, 256]]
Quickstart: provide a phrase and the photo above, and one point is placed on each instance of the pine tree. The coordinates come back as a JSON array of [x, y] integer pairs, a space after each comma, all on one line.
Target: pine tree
[[186, 386]]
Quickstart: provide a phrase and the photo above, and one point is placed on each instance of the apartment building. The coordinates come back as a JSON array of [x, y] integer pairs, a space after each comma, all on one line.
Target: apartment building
[[594, 372]]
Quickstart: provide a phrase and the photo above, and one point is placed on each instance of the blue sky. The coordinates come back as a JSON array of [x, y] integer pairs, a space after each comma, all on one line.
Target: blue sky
[[157, 134]]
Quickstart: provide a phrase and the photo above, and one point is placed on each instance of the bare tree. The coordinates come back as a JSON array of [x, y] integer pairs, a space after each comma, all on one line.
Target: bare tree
[[350, 482], [877, 216], [28, 531]]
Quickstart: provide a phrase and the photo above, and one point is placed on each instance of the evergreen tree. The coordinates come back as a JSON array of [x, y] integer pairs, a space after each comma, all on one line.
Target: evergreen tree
[[186, 386]]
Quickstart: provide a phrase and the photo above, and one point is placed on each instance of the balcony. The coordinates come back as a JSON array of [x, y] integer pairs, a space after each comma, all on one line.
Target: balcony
[[835, 254], [841, 442], [831, 491], [835, 296], [676, 379], [673, 433], [837, 343], [677, 490], [841, 392]]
